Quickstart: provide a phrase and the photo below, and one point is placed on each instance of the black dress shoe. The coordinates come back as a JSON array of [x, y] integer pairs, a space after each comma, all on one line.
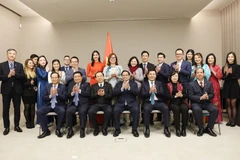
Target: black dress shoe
[[233, 124], [135, 133], [44, 134], [82, 133], [6, 131], [130, 124], [183, 133], [58, 133], [228, 123], [200, 132], [18, 129], [178, 133], [116, 132], [70, 133], [95, 132], [104, 132], [166, 132], [147, 133], [210, 132]]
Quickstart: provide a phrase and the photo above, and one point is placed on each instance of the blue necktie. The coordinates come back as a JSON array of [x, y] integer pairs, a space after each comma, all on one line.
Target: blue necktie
[[76, 99], [11, 65], [101, 85], [53, 100], [152, 96], [144, 67]]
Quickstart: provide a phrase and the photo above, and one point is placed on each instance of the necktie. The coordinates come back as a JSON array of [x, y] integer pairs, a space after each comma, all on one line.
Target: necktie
[[11, 65], [201, 84], [76, 98], [101, 85], [53, 100], [152, 95], [144, 66]]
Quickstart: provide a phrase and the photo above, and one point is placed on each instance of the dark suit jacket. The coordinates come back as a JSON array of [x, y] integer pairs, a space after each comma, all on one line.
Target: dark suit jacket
[[69, 75], [28, 88], [106, 99], [150, 66], [195, 91], [128, 95], [63, 68], [164, 73], [145, 91], [16, 80], [83, 96], [61, 98], [185, 72]]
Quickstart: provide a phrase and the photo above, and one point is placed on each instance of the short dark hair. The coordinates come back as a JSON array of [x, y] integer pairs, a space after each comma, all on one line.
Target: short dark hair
[[160, 53], [211, 54], [66, 56], [75, 58], [126, 71], [151, 71], [54, 73], [78, 72], [172, 74], [11, 49], [144, 52], [198, 69], [109, 57], [98, 72], [133, 57], [33, 56], [179, 49]]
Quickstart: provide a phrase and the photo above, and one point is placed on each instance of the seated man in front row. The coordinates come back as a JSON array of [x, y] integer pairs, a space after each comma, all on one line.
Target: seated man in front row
[[201, 93], [55, 96], [152, 94], [101, 94], [126, 92], [79, 94]]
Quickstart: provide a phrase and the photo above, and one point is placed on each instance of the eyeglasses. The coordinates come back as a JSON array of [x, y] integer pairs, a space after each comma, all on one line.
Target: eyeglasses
[[113, 58]]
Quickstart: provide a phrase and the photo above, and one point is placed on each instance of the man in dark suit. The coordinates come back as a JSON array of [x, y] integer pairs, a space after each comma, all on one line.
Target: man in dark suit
[[163, 69], [126, 92], [101, 94], [145, 65], [201, 93], [79, 94], [66, 60], [183, 67], [152, 94], [69, 73], [11, 75], [55, 97]]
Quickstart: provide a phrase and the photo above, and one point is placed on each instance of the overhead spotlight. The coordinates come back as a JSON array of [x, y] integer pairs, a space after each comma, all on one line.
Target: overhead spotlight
[[111, 0]]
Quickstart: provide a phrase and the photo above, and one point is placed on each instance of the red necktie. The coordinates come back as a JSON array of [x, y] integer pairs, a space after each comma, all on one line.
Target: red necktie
[[201, 84]]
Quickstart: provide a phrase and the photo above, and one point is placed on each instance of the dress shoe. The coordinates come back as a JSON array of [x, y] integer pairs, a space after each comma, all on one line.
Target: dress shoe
[[135, 133], [44, 134], [233, 124], [6, 131], [18, 129], [228, 123], [183, 133], [58, 133], [147, 132], [178, 133], [200, 132], [70, 133], [116, 132], [130, 124], [82, 133], [95, 132], [166, 132], [104, 132], [142, 121], [28, 126], [210, 132]]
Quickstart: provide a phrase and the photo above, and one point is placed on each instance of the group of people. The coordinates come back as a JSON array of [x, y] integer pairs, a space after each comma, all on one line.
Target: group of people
[[142, 87]]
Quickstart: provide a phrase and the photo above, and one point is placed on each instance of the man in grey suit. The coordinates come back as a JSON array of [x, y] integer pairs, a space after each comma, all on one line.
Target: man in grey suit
[[69, 73], [201, 93]]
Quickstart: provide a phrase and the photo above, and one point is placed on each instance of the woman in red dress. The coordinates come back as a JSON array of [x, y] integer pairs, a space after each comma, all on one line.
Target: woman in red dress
[[94, 66], [216, 75]]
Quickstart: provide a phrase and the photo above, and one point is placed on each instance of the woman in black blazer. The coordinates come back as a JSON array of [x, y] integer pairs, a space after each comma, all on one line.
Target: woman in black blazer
[[29, 93]]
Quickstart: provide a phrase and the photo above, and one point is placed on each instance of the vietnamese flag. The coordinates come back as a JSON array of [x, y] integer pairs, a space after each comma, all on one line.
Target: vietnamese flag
[[108, 49]]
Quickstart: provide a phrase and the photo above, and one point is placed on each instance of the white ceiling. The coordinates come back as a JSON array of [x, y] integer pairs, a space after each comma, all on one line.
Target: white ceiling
[[63, 11]]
